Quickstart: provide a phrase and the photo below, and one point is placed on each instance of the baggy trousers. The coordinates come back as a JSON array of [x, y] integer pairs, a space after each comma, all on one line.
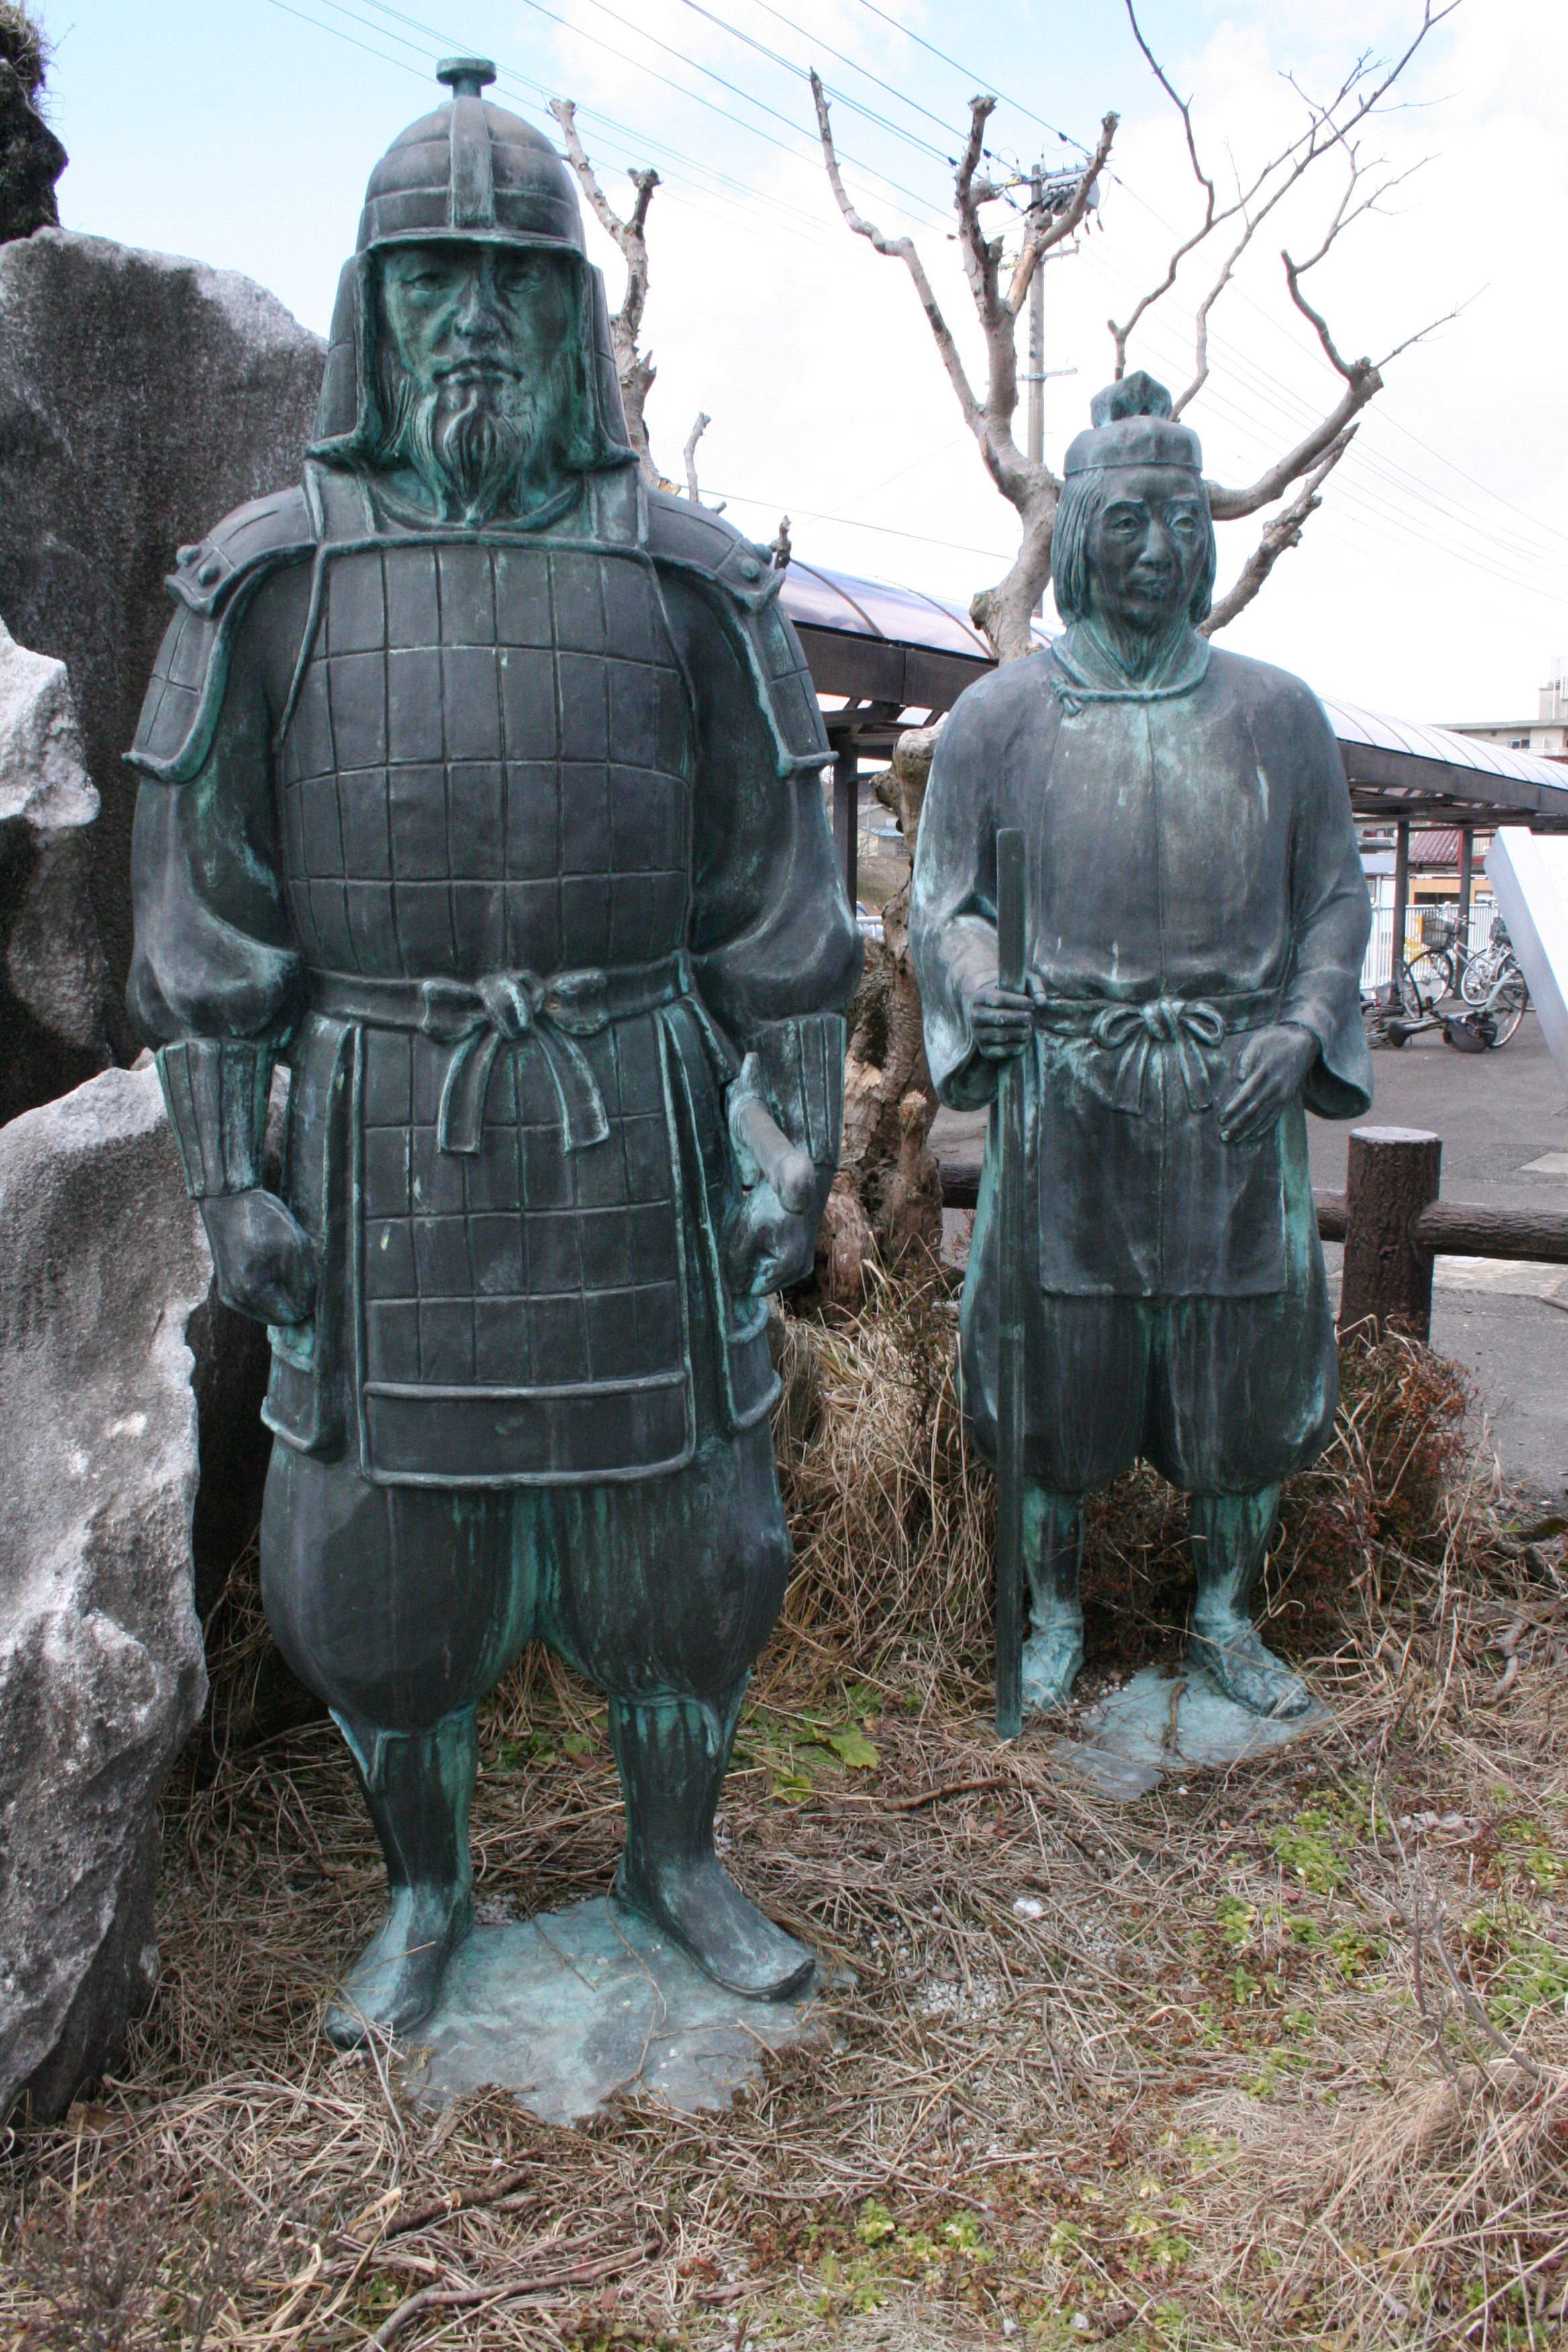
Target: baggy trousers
[[398, 1604], [1224, 1396]]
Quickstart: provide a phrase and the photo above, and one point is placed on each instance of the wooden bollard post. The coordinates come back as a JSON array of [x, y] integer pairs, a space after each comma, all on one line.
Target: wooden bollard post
[[1393, 1173]]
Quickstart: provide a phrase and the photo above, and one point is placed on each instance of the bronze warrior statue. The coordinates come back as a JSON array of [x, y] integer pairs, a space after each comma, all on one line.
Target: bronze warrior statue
[[482, 786], [1195, 918]]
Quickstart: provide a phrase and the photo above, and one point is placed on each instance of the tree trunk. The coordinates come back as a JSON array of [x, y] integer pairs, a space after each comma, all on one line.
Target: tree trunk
[[886, 1204]]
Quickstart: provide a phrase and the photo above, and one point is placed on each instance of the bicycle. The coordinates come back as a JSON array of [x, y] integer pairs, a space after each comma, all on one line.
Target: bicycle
[[1482, 972], [1435, 970], [1505, 1002]]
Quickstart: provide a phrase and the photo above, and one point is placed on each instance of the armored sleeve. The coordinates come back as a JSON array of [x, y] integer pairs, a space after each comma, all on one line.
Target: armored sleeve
[[776, 950], [215, 984]]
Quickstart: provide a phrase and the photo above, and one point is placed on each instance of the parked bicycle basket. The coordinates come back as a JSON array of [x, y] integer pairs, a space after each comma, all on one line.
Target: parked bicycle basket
[[1440, 927]]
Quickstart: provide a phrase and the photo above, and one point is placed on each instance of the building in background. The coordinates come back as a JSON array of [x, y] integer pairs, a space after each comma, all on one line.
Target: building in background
[[1546, 734]]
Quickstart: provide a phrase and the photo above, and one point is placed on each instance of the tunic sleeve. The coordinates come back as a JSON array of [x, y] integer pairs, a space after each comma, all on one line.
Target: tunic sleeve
[[952, 903], [1331, 914], [214, 958]]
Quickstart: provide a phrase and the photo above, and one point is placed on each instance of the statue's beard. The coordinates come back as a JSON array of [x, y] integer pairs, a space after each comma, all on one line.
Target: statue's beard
[[478, 443]]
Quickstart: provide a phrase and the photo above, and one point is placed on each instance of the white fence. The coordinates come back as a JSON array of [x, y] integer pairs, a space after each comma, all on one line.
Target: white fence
[[1377, 970]]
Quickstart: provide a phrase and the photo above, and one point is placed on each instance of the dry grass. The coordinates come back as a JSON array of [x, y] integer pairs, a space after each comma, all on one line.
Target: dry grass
[[1276, 2056]]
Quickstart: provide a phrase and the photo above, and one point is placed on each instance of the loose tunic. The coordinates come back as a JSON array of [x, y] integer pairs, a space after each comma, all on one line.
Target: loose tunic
[[1191, 875], [511, 840]]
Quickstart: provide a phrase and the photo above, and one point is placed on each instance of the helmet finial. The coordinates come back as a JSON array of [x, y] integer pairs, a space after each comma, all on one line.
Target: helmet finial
[[465, 76]]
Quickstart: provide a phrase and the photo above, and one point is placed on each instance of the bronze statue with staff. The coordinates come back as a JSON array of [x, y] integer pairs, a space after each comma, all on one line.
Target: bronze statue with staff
[[1194, 920]]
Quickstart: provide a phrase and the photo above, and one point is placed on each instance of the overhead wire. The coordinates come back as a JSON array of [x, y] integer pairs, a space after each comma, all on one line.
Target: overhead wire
[[931, 49], [1399, 482], [510, 77], [827, 49], [761, 104]]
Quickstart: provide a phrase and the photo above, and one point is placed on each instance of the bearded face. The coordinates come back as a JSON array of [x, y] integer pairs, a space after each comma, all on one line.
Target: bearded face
[[479, 379]]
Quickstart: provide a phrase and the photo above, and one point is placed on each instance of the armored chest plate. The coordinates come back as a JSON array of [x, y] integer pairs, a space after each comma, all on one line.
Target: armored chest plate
[[485, 777], [487, 763]]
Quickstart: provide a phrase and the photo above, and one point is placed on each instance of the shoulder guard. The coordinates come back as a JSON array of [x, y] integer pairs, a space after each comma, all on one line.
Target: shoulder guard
[[246, 545], [740, 583], [212, 583]]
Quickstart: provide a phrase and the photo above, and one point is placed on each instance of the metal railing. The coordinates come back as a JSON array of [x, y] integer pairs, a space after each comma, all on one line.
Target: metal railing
[[1377, 967]]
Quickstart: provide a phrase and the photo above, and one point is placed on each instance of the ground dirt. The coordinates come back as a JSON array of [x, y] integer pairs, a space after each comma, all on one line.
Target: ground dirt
[[1275, 2057]]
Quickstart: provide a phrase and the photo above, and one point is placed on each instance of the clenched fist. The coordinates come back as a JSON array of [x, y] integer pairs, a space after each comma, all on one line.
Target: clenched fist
[[262, 1256]]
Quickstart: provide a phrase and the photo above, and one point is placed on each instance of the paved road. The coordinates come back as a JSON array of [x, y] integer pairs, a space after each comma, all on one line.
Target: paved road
[[1496, 1113]]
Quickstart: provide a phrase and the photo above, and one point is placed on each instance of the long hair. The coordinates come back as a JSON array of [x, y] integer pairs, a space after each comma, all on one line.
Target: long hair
[[1083, 497]]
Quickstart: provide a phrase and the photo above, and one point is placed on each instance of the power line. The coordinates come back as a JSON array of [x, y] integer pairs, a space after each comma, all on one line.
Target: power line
[[735, 90], [865, 72], [1066, 140], [771, 207], [884, 530], [803, 74]]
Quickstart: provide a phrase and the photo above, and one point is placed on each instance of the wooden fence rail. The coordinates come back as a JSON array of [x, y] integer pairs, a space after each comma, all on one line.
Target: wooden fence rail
[[1393, 1225]]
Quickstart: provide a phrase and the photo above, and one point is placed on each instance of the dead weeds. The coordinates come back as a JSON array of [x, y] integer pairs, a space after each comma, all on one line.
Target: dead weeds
[[1277, 2056]]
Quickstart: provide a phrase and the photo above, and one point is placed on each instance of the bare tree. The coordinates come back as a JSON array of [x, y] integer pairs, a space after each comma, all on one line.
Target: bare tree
[[1004, 612], [635, 369]]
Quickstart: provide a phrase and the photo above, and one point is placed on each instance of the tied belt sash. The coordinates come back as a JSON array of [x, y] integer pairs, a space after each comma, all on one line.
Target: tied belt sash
[[476, 1017], [1129, 1035]]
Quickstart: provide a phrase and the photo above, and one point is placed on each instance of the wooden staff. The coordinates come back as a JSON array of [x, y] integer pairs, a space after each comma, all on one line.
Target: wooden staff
[[1012, 1275]]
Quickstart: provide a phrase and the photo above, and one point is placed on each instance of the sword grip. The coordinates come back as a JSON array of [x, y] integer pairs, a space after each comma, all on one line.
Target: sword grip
[[1011, 1271], [782, 1163]]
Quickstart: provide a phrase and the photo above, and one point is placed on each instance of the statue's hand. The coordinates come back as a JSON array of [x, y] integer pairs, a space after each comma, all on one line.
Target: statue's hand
[[261, 1254], [767, 1246], [1269, 1072], [1001, 1020]]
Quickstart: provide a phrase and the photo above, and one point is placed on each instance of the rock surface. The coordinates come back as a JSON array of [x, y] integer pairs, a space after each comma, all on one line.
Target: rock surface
[[1162, 1722], [103, 1265], [572, 2007], [54, 982], [142, 397]]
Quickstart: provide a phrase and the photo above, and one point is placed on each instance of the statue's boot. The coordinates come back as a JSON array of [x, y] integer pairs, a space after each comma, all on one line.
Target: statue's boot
[[1229, 1535], [1053, 1557], [673, 1754], [418, 1787]]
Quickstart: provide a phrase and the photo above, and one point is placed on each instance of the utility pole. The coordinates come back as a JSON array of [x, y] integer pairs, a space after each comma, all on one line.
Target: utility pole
[[1037, 376], [1036, 373]]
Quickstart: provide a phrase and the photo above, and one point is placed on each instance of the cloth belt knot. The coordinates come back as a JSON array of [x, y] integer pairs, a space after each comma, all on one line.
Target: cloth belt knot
[[1136, 1031], [514, 1008]]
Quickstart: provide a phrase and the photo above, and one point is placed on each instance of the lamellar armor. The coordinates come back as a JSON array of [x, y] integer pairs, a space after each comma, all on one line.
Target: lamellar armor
[[510, 839]]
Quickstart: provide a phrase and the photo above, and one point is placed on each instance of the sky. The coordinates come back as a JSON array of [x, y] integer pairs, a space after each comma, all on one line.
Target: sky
[[1432, 583]]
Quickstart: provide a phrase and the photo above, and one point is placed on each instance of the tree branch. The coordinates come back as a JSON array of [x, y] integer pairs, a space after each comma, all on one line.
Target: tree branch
[[636, 373], [1040, 236], [1282, 530], [689, 454], [898, 248], [1328, 126]]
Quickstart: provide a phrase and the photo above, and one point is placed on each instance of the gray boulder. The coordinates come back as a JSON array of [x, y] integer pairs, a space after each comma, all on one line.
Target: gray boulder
[[54, 982], [103, 1263], [141, 397]]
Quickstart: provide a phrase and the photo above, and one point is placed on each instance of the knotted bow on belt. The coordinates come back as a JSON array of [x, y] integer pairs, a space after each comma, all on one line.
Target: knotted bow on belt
[[476, 1017], [1183, 1026]]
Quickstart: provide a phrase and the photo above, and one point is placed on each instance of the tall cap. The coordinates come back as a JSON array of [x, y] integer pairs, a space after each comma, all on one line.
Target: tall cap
[[471, 170], [1132, 425]]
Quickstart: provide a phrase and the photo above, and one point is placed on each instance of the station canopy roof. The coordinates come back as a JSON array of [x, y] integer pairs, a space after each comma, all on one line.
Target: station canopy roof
[[883, 658]]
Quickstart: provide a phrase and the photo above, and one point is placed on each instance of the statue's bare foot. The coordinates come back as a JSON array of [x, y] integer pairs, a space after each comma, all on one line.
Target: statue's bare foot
[[1052, 1656], [396, 1980], [1245, 1671], [698, 1906]]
